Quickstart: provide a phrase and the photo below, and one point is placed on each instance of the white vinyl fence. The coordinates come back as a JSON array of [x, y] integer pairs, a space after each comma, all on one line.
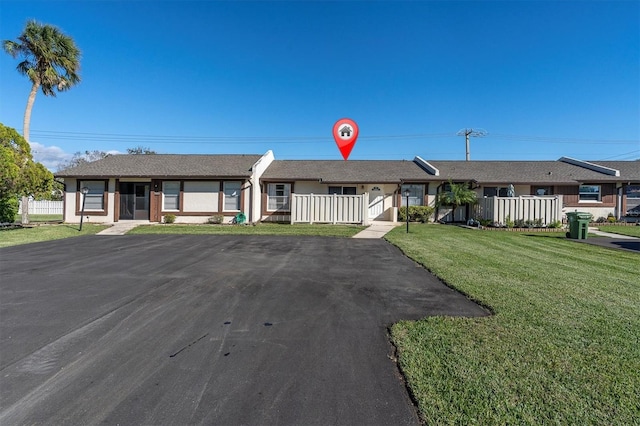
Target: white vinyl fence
[[43, 207], [314, 208], [545, 208]]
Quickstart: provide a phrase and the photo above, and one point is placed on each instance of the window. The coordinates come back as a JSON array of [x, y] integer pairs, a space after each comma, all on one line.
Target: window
[[590, 193], [232, 196], [542, 190], [94, 200], [416, 195], [278, 195], [342, 190], [171, 195], [491, 191], [632, 191]]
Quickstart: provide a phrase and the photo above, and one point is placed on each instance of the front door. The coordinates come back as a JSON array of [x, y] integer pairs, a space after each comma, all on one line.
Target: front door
[[376, 203], [134, 201], [141, 211]]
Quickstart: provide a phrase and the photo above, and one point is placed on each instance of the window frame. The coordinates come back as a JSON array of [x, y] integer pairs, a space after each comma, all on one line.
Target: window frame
[[412, 187], [98, 183], [226, 196], [340, 190], [632, 192], [176, 195], [272, 194], [582, 193]]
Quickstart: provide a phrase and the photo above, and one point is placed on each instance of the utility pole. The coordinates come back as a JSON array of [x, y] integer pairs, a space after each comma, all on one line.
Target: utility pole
[[471, 132]]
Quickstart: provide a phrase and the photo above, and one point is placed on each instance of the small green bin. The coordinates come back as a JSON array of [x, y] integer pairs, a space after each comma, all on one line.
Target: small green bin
[[578, 225]]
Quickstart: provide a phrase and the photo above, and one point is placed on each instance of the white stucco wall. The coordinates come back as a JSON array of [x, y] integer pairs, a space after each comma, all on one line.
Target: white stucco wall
[[70, 196], [198, 219], [254, 208], [200, 196], [303, 187]]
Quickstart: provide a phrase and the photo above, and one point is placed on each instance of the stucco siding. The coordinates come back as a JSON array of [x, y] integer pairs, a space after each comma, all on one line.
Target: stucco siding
[[201, 196], [303, 187]]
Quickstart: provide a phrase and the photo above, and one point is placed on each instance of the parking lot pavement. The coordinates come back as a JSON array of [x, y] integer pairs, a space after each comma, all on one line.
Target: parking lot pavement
[[209, 330]]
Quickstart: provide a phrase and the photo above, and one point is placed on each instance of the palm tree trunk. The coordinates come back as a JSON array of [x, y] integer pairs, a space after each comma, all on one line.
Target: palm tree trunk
[[25, 133], [27, 112]]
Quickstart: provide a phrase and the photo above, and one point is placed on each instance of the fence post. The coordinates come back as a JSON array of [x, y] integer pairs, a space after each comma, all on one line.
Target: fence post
[[333, 210], [364, 211]]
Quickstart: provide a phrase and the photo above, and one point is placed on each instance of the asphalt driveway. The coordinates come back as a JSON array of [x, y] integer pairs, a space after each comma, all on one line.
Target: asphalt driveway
[[224, 330]]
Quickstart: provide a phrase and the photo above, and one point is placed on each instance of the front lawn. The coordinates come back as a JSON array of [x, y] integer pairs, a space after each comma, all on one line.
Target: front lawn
[[40, 218], [563, 345], [14, 237], [260, 229], [633, 231]]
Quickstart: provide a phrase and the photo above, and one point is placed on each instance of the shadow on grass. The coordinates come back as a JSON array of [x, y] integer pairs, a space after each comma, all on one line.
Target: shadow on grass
[[560, 235]]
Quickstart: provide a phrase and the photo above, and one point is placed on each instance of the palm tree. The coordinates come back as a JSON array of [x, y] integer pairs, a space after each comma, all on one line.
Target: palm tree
[[51, 60], [459, 194]]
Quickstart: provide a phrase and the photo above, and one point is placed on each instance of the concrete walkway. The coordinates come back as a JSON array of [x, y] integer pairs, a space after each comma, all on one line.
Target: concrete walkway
[[595, 231], [377, 229], [121, 228]]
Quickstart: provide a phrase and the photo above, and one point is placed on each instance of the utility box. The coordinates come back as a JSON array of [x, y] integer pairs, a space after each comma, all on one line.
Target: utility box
[[578, 225]]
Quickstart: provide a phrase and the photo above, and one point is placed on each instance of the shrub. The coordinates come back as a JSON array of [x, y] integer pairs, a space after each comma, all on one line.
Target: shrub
[[169, 218], [485, 222], [509, 222], [416, 213], [601, 219], [216, 220], [519, 223], [611, 218], [8, 209], [555, 224]]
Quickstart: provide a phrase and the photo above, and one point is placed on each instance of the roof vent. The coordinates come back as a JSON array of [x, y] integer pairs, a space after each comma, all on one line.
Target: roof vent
[[591, 166], [426, 166]]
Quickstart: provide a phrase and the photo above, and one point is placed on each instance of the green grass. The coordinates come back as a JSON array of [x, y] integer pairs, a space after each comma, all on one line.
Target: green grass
[[633, 231], [261, 229], [14, 237], [562, 348], [41, 218]]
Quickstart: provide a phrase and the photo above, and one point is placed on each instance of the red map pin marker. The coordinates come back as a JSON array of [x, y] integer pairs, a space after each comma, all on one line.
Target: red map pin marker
[[345, 133]]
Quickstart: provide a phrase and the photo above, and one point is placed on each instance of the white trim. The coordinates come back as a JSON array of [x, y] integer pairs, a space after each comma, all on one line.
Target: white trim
[[426, 166], [591, 166]]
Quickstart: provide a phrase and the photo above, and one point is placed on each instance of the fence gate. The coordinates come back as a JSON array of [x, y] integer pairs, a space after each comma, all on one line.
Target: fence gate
[[314, 208]]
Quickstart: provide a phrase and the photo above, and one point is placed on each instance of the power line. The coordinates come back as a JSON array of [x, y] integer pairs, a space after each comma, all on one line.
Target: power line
[[183, 139], [626, 155]]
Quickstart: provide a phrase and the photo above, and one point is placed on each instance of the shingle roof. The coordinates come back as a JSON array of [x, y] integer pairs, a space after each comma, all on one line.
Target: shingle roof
[[352, 171], [524, 172], [629, 170], [165, 165]]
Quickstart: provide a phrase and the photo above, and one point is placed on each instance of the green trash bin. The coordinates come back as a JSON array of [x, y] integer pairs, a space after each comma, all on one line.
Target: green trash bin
[[578, 225]]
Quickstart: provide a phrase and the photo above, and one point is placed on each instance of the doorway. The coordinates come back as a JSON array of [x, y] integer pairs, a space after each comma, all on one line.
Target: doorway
[[376, 203], [134, 201]]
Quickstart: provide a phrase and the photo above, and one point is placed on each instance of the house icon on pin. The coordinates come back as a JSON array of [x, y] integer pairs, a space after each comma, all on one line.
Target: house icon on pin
[[345, 130]]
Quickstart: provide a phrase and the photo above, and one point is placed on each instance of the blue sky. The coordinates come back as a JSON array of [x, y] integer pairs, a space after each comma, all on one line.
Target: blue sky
[[544, 79]]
